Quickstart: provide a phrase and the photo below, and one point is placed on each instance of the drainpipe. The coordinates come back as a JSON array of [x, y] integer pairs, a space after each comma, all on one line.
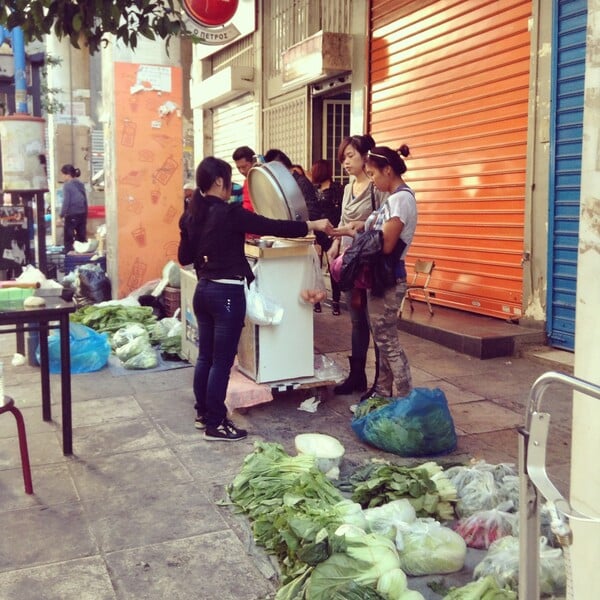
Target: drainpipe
[[17, 42], [18, 46]]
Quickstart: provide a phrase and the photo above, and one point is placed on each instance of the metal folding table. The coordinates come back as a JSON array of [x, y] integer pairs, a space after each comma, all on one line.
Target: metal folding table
[[14, 318]]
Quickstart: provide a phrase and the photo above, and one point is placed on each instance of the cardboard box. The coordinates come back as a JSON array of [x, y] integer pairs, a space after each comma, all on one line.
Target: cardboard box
[[189, 330]]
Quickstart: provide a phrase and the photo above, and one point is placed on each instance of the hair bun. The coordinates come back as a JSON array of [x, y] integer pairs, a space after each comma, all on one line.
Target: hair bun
[[403, 150]]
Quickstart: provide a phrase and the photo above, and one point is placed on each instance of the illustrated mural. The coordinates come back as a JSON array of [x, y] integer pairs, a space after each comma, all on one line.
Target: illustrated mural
[[149, 170]]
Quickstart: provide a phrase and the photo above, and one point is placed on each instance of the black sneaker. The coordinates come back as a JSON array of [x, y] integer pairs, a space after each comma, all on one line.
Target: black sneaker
[[200, 423], [226, 432]]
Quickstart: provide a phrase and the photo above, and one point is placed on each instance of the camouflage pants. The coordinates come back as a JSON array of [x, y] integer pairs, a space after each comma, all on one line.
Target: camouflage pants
[[393, 363]]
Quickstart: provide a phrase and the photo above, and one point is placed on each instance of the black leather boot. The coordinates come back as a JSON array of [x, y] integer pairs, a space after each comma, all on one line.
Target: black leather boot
[[371, 391], [356, 380]]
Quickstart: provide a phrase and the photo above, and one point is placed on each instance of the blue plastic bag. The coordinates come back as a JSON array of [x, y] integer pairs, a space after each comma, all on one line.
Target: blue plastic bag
[[419, 424], [89, 349]]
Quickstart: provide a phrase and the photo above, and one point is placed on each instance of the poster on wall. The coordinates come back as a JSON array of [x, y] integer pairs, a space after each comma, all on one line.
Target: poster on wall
[[218, 23], [149, 170]]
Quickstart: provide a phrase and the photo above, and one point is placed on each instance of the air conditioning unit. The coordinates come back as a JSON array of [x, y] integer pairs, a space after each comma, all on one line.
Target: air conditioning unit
[[320, 56], [222, 87]]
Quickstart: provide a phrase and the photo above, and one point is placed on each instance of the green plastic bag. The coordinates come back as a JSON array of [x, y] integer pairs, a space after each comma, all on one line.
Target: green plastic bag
[[419, 424]]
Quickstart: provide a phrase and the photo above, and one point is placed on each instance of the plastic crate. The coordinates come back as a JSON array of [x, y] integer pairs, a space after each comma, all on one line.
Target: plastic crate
[[73, 260], [11, 294]]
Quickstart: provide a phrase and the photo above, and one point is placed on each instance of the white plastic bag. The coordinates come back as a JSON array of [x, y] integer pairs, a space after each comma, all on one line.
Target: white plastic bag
[[260, 309]]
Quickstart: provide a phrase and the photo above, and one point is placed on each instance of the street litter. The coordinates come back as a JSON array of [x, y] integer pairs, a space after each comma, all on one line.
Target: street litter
[[309, 405]]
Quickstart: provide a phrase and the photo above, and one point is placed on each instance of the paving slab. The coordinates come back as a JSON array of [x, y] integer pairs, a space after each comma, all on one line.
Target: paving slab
[[81, 579], [44, 534], [204, 567], [151, 515]]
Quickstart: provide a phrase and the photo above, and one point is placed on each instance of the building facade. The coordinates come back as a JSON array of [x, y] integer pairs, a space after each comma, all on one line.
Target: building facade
[[488, 96]]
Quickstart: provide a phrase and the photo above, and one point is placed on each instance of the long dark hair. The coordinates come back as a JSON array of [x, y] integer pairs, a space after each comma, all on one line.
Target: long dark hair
[[70, 170], [207, 172]]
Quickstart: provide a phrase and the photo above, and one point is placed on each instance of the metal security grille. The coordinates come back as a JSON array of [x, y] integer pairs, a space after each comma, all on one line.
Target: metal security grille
[[568, 72], [234, 124], [451, 79], [286, 128], [336, 125]]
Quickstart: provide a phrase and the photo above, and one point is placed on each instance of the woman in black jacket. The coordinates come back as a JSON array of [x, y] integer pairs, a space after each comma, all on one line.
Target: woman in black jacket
[[212, 235]]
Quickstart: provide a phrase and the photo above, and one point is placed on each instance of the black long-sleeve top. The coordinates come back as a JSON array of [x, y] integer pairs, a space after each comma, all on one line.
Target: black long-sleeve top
[[213, 239]]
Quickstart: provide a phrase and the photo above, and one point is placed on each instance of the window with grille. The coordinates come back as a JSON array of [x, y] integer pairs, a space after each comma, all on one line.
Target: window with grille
[[336, 126]]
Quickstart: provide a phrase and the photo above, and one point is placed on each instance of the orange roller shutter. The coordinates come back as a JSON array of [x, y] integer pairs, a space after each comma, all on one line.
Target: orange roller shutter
[[451, 78]]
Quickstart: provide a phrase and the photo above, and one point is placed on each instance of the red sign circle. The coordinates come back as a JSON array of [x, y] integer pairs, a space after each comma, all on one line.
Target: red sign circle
[[211, 12]]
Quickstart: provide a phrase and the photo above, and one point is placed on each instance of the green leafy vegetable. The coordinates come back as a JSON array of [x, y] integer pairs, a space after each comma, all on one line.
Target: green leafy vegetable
[[429, 548], [112, 317], [485, 588], [369, 405], [425, 487], [292, 505], [392, 584], [146, 359]]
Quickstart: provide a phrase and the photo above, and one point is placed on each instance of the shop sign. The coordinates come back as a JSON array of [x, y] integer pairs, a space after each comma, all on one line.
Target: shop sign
[[217, 23]]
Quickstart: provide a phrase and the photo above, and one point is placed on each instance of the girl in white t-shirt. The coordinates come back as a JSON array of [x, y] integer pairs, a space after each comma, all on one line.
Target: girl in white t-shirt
[[397, 219]]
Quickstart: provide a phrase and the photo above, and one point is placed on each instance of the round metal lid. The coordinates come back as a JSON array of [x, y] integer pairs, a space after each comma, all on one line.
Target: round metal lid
[[275, 193]]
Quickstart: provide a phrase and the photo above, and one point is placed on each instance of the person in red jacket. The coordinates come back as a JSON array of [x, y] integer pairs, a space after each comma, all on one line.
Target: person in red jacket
[[244, 159]]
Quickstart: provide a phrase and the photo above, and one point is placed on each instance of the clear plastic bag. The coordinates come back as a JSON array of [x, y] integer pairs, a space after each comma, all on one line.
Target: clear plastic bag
[[502, 562], [481, 486], [326, 369], [313, 288], [260, 309], [127, 333], [426, 547], [482, 528], [135, 346]]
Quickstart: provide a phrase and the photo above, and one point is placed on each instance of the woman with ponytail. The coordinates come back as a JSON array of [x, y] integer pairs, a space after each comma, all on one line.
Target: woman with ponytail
[[212, 235], [74, 208], [397, 220], [360, 199]]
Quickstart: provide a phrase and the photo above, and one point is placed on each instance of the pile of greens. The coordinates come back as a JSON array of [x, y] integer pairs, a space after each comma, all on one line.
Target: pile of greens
[[289, 502], [112, 317], [426, 487], [319, 537], [133, 330]]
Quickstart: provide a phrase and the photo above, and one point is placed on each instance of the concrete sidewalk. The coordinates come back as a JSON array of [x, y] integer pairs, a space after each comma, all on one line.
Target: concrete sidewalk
[[135, 513]]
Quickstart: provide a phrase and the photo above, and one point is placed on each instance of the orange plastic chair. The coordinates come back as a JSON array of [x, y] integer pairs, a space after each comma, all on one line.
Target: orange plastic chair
[[7, 404], [419, 283]]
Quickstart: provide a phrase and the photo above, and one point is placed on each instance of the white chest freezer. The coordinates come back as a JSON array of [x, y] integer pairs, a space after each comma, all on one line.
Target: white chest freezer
[[281, 352]]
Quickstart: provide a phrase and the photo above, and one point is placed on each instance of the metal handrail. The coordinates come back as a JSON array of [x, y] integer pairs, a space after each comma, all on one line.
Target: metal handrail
[[534, 481]]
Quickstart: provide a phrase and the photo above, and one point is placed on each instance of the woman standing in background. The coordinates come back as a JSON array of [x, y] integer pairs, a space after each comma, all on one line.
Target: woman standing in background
[[359, 201], [329, 196], [74, 208]]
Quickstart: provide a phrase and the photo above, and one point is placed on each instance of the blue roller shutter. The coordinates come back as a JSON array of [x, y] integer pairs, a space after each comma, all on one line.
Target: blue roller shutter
[[569, 42]]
